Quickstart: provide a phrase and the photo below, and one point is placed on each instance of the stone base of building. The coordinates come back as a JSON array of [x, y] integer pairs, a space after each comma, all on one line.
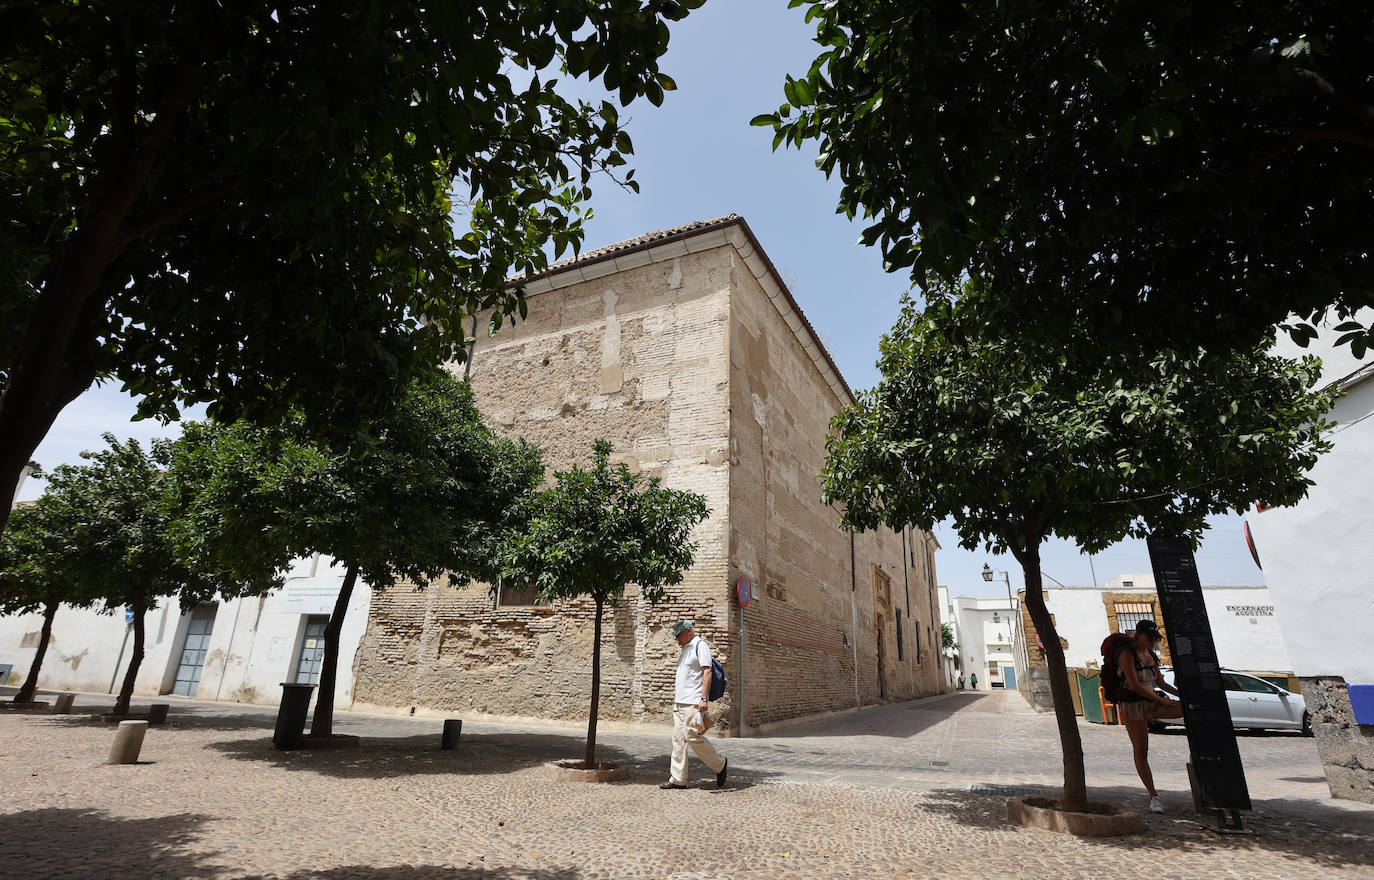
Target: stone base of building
[[1346, 748], [1034, 685]]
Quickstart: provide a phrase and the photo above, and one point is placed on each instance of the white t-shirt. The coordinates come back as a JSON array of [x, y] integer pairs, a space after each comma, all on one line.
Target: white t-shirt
[[695, 656]]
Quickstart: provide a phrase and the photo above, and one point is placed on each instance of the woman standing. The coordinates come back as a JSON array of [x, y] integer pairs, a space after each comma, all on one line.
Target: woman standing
[[1140, 701]]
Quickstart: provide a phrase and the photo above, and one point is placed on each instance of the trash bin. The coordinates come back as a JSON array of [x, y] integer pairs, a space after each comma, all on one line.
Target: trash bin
[[295, 705]]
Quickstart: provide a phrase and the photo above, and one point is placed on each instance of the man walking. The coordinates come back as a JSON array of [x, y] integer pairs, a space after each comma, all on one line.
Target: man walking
[[691, 700]]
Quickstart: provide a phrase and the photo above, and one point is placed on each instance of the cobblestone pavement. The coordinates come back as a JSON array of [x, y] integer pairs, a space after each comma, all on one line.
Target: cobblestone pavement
[[903, 791]]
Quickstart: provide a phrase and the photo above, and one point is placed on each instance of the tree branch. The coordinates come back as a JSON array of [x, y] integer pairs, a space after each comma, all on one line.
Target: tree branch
[[1327, 92], [136, 227]]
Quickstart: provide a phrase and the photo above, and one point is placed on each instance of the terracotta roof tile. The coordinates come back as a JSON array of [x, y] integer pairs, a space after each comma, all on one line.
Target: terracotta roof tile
[[629, 244]]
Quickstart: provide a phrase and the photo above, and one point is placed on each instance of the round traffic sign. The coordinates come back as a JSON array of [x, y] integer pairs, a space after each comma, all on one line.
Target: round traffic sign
[[742, 591]]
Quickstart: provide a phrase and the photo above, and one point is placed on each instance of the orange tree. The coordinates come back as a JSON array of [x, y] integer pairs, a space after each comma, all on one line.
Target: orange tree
[[426, 494], [247, 204], [595, 532], [1013, 444], [1136, 170]]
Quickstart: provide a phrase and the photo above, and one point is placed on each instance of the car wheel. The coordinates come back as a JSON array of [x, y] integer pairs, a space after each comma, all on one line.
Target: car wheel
[[1307, 724]]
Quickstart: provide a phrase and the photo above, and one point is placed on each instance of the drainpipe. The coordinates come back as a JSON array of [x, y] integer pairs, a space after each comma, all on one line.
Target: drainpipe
[[854, 616]]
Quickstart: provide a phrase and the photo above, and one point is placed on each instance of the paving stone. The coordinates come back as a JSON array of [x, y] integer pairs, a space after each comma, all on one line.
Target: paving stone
[[849, 797]]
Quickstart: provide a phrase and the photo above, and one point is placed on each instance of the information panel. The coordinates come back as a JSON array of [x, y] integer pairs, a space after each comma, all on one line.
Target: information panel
[[1197, 675]]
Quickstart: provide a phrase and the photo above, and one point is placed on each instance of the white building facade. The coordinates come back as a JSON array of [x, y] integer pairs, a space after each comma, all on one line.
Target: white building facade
[[1316, 561], [984, 629], [1244, 621], [239, 650]]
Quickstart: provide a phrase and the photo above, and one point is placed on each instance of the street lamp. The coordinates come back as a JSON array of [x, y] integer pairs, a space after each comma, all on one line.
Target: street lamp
[[990, 574]]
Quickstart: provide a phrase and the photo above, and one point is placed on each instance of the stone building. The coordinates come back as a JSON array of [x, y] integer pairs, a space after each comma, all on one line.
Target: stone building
[[685, 349]]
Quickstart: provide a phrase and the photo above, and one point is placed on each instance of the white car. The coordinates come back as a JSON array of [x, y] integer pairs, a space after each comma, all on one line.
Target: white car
[[1256, 704]]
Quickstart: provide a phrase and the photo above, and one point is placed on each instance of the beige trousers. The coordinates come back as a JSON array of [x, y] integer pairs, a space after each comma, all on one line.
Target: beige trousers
[[684, 714]]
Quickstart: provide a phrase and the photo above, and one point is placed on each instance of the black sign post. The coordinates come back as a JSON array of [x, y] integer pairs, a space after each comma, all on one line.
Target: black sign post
[[1215, 770]]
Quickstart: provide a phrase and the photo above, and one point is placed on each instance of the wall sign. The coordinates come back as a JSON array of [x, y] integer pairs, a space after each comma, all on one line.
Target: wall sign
[[1250, 610], [1220, 777], [309, 595]]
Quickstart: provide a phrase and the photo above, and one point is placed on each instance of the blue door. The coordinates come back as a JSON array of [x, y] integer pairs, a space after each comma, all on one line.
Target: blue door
[[1009, 676]]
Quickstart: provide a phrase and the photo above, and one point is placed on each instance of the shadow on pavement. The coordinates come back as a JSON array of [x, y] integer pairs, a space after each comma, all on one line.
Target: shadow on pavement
[[424, 872], [477, 754], [1325, 835], [899, 720], [89, 843]]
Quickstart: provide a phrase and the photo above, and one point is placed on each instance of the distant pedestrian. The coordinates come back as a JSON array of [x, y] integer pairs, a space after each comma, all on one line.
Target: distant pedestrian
[[691, 699], [973, 679], [961, 681]]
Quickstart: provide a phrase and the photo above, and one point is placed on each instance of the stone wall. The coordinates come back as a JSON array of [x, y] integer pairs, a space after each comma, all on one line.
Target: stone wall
[[813, 636], [640, 358], [1346, 748], [689, 369]]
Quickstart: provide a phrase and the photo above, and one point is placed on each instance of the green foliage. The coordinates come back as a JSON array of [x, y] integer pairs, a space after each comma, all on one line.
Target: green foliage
[[102, 533], [1014, 443], [598, 530], [947, 637], [248, 203], [36, 556], [1161, 170], [426, 495]]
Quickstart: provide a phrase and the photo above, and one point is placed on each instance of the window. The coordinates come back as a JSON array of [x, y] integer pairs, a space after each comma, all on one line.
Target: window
[[899, 634], [882, 588], [918, 640], [1128, 614], [517, 596], [1253, 685]]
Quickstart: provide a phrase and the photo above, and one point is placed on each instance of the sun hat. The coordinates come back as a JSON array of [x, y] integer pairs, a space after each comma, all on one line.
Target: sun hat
[[681, 626], [1148, 628]]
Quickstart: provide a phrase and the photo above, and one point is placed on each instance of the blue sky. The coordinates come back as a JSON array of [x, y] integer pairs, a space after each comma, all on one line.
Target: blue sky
[[697, 157]]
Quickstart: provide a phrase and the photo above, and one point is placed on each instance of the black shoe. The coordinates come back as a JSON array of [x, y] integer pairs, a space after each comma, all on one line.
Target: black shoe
[[674, 785], [720, 777]]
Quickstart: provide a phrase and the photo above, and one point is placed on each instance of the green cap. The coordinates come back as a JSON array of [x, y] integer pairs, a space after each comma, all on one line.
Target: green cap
[[680, 627]]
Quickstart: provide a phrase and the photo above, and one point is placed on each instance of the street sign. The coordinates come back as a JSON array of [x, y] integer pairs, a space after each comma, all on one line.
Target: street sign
[[1220, 777], [742, 591], [128, 615]]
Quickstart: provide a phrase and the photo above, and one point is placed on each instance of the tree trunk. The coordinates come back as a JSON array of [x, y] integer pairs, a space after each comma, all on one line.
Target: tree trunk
[[26, 693], [1075, 779], [589, 759], [139, 603], [322, 724]]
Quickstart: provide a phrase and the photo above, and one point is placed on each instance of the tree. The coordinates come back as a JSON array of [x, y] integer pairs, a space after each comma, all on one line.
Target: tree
[[1142, 171], [426, 494], [1014, 444], [35, 553], [947, 638], [247, 203], [595, 532], [105, 527]]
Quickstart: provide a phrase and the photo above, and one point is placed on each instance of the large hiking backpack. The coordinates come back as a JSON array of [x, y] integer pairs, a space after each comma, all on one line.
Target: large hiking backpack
[[1113, 680], [718, 680]]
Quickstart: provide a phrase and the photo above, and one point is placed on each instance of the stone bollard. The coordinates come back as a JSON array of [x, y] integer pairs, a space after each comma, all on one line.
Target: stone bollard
[[127, 742], [63, 705], [157, 713], [453, 728]]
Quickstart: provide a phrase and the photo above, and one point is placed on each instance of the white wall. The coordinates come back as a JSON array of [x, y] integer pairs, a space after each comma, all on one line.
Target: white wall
[[1080, 616], [253, 647], [1316, 555], [981, 640]]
